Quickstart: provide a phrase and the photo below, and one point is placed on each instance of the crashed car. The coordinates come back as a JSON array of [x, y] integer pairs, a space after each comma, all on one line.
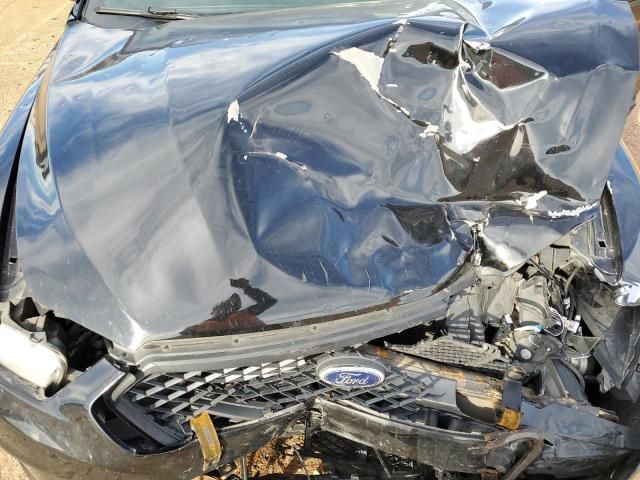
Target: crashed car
[[404, 230]]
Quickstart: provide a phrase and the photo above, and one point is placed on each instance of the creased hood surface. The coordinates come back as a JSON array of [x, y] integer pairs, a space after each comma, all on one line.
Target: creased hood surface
[[242, 172]]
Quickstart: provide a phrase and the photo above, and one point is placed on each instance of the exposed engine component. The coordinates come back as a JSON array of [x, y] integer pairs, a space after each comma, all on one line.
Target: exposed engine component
[[528, 320], [43, 349], [455, 352]]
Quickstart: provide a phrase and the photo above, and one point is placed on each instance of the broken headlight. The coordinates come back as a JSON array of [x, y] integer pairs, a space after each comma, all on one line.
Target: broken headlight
[[30, 356]]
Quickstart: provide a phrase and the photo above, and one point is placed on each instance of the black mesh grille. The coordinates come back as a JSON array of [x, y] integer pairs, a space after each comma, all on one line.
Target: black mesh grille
[[236, 395]]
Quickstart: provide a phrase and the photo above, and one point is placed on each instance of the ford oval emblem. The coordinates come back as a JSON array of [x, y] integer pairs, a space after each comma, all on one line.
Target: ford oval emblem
[[352, 371]]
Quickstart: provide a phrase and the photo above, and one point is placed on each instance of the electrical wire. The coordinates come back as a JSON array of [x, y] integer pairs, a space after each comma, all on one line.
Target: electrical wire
[[569, 281]]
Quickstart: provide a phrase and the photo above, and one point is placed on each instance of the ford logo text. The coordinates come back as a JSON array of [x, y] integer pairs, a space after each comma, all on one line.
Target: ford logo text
[[351, 372]]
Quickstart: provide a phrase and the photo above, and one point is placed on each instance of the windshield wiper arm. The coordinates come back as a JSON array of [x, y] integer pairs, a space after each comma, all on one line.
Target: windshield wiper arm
[[153, 13]]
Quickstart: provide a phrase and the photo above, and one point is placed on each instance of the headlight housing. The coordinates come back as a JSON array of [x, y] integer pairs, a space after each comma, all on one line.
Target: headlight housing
[[29, 356]]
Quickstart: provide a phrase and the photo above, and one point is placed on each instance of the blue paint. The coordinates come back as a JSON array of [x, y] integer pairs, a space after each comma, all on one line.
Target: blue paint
[[353, 377]]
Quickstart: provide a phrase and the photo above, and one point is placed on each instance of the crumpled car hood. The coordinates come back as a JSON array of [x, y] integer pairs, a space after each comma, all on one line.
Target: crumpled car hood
[[243, 172]]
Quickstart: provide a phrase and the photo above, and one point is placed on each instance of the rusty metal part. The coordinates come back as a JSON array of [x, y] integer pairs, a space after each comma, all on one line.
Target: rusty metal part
[[478, 390], [208, 438], [504, 439], [510, 419], [490, 474]]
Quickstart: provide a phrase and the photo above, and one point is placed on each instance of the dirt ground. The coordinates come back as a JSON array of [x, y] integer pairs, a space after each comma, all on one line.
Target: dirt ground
[[28, 31]]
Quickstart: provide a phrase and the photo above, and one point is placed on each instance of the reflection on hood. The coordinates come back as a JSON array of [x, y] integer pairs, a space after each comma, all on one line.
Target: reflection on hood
[[333, 158]]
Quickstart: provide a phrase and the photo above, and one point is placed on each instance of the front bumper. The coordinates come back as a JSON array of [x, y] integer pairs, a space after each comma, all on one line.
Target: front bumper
[[59, 438]]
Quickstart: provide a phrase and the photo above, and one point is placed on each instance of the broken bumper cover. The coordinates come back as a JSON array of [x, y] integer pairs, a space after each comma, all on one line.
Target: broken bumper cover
[[60, 438]]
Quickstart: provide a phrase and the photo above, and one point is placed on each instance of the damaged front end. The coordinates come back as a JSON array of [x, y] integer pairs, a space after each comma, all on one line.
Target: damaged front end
[[403, 238], [521, 374]]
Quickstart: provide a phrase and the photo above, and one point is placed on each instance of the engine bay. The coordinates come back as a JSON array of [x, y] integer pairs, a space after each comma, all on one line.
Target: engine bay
[[526, 325]]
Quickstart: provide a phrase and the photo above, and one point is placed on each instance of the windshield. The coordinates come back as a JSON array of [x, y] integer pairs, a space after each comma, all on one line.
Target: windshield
[[211, 7]]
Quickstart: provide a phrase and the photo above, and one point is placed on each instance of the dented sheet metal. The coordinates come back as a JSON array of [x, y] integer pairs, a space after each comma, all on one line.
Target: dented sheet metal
[[624, 187], [250, 171]]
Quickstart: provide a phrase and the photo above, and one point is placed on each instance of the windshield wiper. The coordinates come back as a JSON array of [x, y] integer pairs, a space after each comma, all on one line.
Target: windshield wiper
[[153, 13]]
